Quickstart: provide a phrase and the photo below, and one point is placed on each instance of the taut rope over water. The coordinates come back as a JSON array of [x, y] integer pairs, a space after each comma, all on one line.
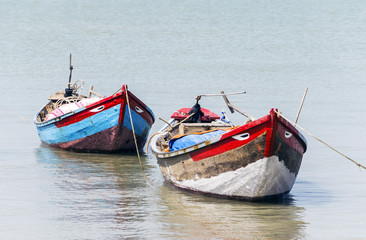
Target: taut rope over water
[[296, 125]]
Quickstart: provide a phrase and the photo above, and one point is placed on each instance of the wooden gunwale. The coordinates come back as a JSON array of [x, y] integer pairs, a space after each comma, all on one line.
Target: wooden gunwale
[[184, 167], [219, 138], [270, 121], [65, 119], [82, 113]]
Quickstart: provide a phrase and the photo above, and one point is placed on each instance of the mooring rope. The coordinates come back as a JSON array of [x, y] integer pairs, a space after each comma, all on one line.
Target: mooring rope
[[148, 142], [16, 114], [116, 91], [134, 137], [296, 125]]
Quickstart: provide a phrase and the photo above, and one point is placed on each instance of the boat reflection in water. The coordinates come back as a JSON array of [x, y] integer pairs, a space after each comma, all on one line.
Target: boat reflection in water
[[99, 196], [106, 196], [188, 214]]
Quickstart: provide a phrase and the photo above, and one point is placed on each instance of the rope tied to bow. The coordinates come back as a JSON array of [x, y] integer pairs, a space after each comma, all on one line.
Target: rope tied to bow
[[318, 139], [134, 137]]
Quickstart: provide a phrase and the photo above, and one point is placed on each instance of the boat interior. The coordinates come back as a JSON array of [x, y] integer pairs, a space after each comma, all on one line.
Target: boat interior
[[59, 98], [55, 101], [179, 129]]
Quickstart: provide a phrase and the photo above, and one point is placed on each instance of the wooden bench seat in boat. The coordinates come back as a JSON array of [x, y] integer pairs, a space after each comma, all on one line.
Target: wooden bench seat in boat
[[188, 128]]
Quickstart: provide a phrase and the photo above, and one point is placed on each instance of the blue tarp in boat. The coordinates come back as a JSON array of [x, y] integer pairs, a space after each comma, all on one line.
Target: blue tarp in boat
[[191, 139]]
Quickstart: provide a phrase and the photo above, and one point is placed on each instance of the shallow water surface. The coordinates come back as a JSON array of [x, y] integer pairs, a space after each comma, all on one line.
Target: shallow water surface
[[168, 53]]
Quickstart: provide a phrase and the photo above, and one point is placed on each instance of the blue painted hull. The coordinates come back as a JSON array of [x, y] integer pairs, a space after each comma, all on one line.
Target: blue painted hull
[[89, 129]]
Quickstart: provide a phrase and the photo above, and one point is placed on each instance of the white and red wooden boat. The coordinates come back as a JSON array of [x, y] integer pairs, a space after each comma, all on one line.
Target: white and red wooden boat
[[257, 160]]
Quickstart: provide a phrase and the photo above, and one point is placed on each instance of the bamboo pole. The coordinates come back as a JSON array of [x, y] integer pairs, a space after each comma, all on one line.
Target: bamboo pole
[[222, 94], [302, 102], [232, 107]]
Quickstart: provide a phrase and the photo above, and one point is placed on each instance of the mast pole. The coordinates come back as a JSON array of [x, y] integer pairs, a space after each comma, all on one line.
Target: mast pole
[[69, 85]]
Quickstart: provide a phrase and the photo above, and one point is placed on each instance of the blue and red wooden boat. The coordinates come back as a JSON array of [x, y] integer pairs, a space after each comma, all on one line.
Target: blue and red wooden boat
[[257, 160], [88, 124]]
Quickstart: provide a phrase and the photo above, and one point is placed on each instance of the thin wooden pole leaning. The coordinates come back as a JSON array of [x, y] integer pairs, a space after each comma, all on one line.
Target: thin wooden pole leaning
[[232, 107], [302, 102], [222, 94]]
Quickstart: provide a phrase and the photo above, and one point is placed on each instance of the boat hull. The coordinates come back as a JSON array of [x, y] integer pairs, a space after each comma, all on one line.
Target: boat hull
[[265, 178], [104, 126], [258, 160], [114, 139]]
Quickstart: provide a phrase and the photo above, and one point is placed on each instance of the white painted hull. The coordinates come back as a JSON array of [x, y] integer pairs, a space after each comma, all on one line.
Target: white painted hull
[[262, 178]]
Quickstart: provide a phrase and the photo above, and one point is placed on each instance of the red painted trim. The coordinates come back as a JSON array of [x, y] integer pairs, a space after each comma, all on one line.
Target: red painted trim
[[123, 105], [135, 102], [292, 141], [228, 143], [278, 127], [270, 124], [270, 136], [77, 117], [109, 102], [262, 121], [288, 125], [294, 131], [139, 102]]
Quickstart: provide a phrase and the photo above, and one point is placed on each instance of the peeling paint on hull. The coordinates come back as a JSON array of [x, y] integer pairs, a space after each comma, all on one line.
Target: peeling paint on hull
[[115, 139], [263, 178]]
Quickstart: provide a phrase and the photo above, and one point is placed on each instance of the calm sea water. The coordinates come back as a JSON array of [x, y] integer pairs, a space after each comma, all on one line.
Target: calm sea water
[[168, 52]]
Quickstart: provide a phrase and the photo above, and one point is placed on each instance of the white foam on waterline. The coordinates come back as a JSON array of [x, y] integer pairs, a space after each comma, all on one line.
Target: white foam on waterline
[[265, 177]]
